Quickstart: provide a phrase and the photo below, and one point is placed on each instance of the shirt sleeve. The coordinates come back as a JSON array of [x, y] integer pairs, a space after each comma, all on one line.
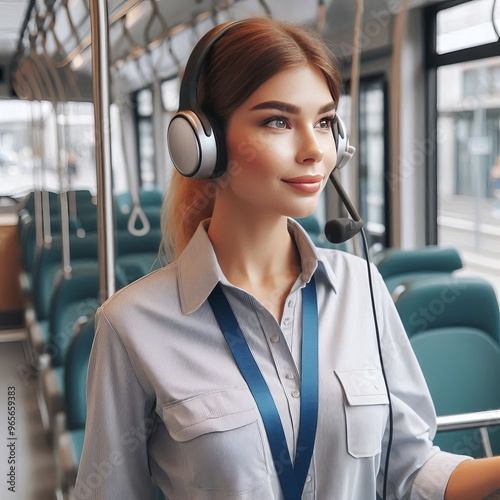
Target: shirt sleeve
[[417, 469], [114, 462]]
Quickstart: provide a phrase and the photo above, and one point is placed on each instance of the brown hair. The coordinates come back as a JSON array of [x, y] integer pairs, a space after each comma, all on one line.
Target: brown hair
[[245, 57]]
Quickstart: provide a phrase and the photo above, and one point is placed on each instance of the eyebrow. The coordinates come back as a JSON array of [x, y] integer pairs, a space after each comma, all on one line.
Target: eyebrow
[[290, 108]]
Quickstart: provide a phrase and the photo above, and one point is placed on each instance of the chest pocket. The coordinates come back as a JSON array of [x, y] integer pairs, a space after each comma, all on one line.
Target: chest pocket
[[219, 435], [366, 410]]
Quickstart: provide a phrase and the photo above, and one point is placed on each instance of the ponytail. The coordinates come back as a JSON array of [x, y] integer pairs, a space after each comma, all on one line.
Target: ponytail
[[187, 202]]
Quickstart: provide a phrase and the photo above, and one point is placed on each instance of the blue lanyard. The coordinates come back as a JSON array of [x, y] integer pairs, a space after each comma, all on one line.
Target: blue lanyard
[[292, 478]]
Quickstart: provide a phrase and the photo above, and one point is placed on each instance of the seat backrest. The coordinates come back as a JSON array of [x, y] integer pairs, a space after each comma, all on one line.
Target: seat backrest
[[75, 375], [462, 369], [446, 302], [427, 259], [127, 243], [48, 262], [74, 297]]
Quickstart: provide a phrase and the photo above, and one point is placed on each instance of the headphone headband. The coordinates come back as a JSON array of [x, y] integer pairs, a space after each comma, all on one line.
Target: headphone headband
[[188, 94]]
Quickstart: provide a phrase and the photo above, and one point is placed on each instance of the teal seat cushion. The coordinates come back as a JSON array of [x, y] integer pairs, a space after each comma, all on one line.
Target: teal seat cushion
[[77, 436], [59, 373], [75, 375], [448, 302], [137, 265], [392, 282], [44, 330], [427, 259]]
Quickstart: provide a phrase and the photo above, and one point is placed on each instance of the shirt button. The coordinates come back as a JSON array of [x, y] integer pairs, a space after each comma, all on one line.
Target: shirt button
[[291, 303], [289, 375], [308, 478], [275, 338], [286, 321], [295, 394]]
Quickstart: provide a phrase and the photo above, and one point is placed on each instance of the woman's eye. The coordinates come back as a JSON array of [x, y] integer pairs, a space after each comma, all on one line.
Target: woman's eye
[[279, 123], [325, 123]]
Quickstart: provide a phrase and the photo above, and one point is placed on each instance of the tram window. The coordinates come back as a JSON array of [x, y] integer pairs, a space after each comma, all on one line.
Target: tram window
[[465, 172], [170, 94], [467, 25], [77, 150], [371, 150], [28, 152], [469, 145], [16, 165], [144, 117]]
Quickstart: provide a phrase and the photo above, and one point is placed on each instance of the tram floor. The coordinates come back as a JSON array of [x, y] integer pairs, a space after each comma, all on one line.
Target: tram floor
[[26, 456]]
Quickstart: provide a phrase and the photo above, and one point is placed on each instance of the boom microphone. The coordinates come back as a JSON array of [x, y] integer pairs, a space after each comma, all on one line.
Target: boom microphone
[[343, 229]]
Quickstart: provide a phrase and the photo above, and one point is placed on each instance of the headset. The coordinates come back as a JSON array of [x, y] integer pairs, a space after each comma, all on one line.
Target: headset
[[197, 148], [196, 141]]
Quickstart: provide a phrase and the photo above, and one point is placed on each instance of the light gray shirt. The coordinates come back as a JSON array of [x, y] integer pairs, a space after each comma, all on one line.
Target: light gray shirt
[[166, 399]]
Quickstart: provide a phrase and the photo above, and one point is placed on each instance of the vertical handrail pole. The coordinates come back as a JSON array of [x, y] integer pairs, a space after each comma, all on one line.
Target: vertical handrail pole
[[102, 100], [59, 109]]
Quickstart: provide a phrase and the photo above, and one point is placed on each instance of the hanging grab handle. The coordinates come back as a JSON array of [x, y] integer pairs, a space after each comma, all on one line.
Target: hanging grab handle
[[138, 213]]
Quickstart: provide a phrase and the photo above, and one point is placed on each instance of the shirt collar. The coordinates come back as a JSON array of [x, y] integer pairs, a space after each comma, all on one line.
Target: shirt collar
[[199, 270]]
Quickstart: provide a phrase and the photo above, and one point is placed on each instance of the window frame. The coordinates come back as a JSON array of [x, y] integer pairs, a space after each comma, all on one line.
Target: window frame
[[433, 61]]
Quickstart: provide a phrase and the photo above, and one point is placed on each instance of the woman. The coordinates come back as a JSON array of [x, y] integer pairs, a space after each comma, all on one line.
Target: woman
[[166, 397]]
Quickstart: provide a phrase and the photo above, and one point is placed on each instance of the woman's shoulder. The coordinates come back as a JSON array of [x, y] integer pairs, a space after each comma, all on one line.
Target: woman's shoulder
[[150, 291]]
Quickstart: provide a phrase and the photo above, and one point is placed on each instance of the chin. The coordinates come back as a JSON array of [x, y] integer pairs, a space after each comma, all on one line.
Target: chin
[[301, 212]]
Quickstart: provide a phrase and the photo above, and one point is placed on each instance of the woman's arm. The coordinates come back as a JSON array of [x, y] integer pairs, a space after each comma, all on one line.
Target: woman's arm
[[474, 479], [114, 462]]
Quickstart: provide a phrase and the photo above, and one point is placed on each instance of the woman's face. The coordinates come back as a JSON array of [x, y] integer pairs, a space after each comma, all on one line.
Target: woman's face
[[280, 144]]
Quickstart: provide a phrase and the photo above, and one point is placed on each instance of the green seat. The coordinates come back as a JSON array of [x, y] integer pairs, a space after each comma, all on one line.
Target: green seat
[[138, 255], [75, 375], [70, 446], [70, 443], [74, 300], [398, 266], [48, 262], [462, 369], [398, 282], [137, 265], [449, 302]]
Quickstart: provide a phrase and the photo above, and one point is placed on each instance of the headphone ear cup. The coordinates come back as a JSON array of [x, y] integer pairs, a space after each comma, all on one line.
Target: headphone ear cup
[[341, 140], [344, 150], [221, 148], [192, 145]]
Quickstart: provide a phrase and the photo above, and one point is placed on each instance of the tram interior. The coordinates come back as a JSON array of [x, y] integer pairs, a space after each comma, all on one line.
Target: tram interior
[[421, 102]]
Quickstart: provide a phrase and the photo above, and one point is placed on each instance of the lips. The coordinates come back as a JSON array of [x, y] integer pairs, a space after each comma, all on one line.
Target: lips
[[306, 183]]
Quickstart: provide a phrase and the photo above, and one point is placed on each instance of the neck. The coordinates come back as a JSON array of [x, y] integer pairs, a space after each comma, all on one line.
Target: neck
[[252, 247], [255, 250]]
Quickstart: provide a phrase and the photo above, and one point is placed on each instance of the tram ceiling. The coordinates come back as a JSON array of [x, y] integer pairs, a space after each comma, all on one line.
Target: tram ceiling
[[57, 35]]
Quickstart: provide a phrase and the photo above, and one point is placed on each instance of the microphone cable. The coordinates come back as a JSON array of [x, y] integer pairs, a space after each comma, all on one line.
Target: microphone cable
[[379, 345]]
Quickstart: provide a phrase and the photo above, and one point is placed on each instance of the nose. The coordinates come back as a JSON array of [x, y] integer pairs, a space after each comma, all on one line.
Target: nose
[[309, 149]]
